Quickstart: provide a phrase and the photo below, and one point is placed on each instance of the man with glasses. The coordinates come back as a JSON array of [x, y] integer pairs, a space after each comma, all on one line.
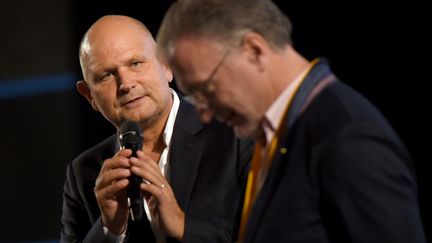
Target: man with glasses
[[193, 173], [327, 166]]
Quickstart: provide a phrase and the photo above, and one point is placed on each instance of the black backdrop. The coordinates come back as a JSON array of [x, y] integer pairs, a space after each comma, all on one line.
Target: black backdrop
[[372, 46]]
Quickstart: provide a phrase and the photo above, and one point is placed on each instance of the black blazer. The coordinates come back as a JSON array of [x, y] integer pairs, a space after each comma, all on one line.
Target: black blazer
[[344, 175], [208, 167]]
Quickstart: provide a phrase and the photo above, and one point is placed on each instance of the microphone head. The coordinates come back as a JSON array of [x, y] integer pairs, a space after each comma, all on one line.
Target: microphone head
[[130, 136]]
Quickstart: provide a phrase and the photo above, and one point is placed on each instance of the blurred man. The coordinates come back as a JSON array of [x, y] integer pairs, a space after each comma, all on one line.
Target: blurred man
[[193, 173], [327, 166]]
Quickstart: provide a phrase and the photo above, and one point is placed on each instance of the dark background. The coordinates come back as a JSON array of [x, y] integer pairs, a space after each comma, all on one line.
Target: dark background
[[374, 48]]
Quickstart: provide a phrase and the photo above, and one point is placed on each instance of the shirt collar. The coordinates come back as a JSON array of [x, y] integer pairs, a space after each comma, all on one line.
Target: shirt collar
[[167, 134], [275, 112]]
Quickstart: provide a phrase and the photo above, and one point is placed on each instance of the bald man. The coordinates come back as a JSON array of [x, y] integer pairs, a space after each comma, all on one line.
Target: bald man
[[193, 173]]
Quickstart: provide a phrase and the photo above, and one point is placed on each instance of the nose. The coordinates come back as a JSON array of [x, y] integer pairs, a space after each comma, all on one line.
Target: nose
[[126, 80]]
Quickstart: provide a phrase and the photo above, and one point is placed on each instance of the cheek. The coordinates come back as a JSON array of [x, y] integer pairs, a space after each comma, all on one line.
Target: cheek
[[232, 94], [104, 97], [159, 92]]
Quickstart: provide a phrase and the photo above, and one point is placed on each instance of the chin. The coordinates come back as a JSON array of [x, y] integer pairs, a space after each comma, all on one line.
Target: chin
[[246, 131], [139, 115], [239, 133]]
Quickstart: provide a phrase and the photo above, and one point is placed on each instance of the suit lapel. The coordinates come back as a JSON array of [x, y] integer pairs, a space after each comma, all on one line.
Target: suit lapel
[[319, 72], [185, 153]]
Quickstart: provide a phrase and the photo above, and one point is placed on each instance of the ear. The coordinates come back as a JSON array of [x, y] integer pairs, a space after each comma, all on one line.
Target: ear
[[165, 66], [168, 72], [85, 91], [256, 48]]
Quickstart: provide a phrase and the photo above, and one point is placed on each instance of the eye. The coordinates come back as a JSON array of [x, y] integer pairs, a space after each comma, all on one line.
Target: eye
[[135, 63], [106, 75]]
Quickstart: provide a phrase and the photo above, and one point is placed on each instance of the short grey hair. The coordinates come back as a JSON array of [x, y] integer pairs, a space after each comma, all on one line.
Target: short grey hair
[[225, 20]]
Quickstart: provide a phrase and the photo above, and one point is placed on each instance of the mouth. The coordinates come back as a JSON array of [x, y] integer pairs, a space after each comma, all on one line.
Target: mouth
[[131, 102]]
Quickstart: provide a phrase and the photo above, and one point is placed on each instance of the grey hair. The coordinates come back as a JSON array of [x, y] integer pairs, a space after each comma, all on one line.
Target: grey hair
[[225, 20]]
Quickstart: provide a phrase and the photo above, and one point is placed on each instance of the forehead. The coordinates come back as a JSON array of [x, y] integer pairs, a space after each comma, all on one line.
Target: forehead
[[195, 45], [193, 58], [118, 42], [121, 43]]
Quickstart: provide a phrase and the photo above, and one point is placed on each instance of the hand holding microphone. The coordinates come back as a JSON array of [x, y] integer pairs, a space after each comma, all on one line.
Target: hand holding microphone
[[163, 206], [131, 138], [117, 189]]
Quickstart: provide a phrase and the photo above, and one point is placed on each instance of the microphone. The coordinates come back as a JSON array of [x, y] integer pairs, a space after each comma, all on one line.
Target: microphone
[[131, 138]]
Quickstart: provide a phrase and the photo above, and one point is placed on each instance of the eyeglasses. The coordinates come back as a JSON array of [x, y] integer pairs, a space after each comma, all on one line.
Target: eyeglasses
[[199, 94]]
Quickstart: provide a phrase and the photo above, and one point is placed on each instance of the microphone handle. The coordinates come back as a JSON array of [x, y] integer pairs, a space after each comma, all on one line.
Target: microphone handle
[[136, 202]]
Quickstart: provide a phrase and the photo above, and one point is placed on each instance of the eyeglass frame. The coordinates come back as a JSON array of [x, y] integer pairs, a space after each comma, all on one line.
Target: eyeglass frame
[[199, 94]]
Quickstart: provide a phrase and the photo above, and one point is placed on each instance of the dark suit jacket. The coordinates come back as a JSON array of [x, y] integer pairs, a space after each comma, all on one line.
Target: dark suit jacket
[[344, 177], [207, 164]]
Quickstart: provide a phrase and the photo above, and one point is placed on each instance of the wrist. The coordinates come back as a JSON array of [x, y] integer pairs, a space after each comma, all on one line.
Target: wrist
[[181, 226], [113, 228]]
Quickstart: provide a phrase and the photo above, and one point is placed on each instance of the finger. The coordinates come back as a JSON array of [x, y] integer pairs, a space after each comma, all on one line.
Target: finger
[[157, 191], [147, 159], [118, 161], [109, 192], [108, 177], [149, 177], [146, 169], [124, 153], [114, 168]]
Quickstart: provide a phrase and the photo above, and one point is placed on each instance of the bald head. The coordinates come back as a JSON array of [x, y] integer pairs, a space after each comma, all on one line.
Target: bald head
[[108, 30], [123, 77]]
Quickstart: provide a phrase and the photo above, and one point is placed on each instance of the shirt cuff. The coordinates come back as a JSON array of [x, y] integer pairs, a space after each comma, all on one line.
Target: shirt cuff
[[113, 238]]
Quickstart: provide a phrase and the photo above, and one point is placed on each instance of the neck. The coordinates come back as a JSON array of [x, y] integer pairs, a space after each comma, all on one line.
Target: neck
[[291, 65], [153, 138], [153, 143]]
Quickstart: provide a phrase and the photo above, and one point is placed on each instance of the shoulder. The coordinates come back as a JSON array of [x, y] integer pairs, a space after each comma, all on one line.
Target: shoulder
[[351, 136], [339, 109]]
